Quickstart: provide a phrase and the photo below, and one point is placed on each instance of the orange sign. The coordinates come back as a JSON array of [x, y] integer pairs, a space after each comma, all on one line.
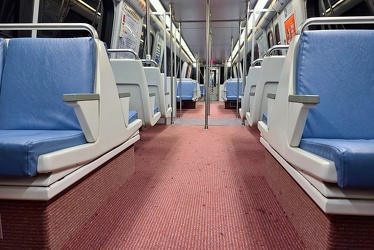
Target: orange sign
[[290, 28]]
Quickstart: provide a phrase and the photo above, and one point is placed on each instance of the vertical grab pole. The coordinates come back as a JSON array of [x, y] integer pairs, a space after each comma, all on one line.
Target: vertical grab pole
[[165, 57], [207, 63], [175, 61], [209, 69], [35, 17], [148, 56], [198, 73], [171, 66], [238, 71], [245, 73], [253, 37], [232, 58], [180, 72], [245, 49]]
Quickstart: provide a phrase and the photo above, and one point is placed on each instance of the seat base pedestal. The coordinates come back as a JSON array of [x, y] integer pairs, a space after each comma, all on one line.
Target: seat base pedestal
[[316, 229], [187, 105], [50, 224]]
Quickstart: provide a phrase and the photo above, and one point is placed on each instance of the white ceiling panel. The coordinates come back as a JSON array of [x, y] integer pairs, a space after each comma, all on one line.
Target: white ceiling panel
[[225, 16]]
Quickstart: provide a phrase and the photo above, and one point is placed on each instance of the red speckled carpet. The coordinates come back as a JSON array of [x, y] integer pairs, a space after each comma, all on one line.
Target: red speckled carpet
[[193, 189]]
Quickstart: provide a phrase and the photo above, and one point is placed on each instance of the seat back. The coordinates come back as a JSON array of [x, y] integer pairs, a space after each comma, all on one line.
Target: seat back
[[187, 87], [130, 77], [271, 69], [37, 72], [252, 79], [156, 85], [231, 89], [335, 64]]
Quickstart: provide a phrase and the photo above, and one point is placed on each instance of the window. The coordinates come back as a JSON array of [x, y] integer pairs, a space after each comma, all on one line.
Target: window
[[270, 39], [277, 35], [60, 11], [15, 11], [340, 8], [64, 11], [257, 55]]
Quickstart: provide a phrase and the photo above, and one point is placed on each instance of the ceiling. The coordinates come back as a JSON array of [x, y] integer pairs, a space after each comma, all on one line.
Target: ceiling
[[225, 16]]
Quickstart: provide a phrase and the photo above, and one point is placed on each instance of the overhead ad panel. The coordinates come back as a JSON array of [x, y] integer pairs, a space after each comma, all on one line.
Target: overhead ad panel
[[139, 6], [130, 30]]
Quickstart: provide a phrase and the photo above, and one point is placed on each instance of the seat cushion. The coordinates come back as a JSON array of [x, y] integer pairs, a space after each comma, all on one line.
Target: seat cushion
[[20, 149], [354, 159], [133, 115], [265, 117]]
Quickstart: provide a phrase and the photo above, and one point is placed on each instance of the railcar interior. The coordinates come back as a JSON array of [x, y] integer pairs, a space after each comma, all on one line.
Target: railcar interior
[[171, 124]]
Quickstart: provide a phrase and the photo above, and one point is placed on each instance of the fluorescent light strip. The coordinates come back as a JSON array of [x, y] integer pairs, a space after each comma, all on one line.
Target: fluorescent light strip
[[159, 8], [260, 5]]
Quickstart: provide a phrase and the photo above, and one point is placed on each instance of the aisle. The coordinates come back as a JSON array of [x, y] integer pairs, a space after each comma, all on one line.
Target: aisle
[[193, 189], [219, 116]]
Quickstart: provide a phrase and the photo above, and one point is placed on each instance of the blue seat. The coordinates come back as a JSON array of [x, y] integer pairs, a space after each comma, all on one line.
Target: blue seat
[[133, 115], [202, 90], [265, 117], [340, 128], [231, 88], [188, 90], [34, 120]]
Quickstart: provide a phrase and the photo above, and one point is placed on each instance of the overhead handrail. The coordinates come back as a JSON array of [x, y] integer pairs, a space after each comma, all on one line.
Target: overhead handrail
[[257, 62], [148, 62], [51, 26], [334, 20], [275, 48], [124, 51]]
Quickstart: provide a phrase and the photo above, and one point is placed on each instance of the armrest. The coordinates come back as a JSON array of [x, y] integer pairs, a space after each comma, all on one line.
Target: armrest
[[304, 99], [124, 98], [271, 100], [167, 93], [124, 94], [152, 97], [80, 97], [298, 110], [86, 107], [271, 96]]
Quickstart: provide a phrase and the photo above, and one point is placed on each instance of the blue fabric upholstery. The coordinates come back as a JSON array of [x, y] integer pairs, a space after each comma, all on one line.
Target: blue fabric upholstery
[[155, 110], [334, 65], [265, 117], [202, 90], [20, 149], [2, 55], [33, 118], [231, 89], [133, 115], [354, 159], [188, 88], [37, 73]]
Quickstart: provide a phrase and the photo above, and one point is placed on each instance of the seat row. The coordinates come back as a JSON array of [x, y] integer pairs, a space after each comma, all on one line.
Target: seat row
[[232, 90], [63, 106], [262, 78], [316, 120], [319, 132], [188, 92]]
